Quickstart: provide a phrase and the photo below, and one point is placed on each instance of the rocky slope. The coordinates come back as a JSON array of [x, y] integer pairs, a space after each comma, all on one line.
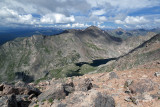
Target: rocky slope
[[41, 57], [128, 33], [134, 82], [147, 52], [138, 87]]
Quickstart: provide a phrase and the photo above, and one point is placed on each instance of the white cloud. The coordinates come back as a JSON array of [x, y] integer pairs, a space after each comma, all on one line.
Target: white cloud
[[119, 22], [98, 12], [56, 18], [42, 12], [103, 18], [11, 16], [125, 4], [80, 25], [132, 20], [157, 20]]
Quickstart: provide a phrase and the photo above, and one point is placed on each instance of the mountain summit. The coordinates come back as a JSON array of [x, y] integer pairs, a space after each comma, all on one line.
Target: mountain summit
[[92, 28]]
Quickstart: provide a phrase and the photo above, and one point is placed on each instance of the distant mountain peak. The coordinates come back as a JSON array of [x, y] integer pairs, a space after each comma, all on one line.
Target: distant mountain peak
[[93, 28]]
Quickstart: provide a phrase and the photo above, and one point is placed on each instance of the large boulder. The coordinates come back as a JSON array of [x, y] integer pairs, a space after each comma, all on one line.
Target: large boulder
[[142, 86], [83, 84], [113, 75], [57, 91], [23, 100], [6, 89], [8, 101], [92, 98]]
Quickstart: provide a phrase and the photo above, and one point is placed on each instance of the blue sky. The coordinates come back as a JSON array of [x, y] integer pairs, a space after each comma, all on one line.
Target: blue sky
[[111, 14]]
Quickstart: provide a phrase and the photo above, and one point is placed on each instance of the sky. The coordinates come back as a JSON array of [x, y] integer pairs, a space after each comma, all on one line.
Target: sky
[[110, 14]]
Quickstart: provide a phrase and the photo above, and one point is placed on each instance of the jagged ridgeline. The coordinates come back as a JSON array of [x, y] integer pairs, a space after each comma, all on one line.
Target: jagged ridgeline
[[41, 57], [147, 53]]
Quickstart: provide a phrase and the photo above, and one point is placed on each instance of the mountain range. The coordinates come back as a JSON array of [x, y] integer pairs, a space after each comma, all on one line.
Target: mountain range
[[81, 68], [39, 57]]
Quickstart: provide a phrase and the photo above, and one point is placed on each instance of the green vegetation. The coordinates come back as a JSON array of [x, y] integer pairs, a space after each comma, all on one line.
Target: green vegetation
[[56, 73], [72, 73], [93, 46], [10, 76], [66, 71], [86, 69], [2, 59], [71, 70], [50, 100], [46, 50], [59, 53], [25, 58], [41, 79], [36, 105], [10, 72], [69, 59], [44, 100]]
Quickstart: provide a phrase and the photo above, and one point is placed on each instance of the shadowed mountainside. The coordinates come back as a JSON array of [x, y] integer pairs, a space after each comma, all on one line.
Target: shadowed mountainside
[[148, 52]]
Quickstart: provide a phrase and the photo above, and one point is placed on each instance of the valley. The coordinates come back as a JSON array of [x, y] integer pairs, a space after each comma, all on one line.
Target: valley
[[80, 64]]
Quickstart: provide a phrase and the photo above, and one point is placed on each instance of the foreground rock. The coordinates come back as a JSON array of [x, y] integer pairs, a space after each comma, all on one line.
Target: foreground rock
[[17, 95], [130, 88], [6, 89], [91, 98], [8, 101]]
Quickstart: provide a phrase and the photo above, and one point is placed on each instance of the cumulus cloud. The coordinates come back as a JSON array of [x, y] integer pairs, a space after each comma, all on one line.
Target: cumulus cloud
[[157, 20], [125, 4], [132, 20], [11, 16], [80, 25], [56, 18], [98, 12], [103, 18], [74, 12]]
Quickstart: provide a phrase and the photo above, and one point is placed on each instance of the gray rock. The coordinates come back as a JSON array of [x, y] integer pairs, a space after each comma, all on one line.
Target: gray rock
[[8, 101], [134, 100], [131, 99], [84, 85], [144, 85], [157, 74], [10, 89], [112, 75], [69, 88], [91, 98], [55, 92], [128, 99], [20, 84], [22, 100], [128, 83], [58, 104]]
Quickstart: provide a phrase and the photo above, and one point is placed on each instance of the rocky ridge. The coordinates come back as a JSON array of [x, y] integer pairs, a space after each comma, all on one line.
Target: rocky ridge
[[40, 57], [136, 85]]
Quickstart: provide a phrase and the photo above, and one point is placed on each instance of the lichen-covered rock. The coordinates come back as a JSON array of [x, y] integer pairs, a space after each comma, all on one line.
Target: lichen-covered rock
[[92, 98], [141, 86], [83, 85], [55, 92], [113, 75]]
